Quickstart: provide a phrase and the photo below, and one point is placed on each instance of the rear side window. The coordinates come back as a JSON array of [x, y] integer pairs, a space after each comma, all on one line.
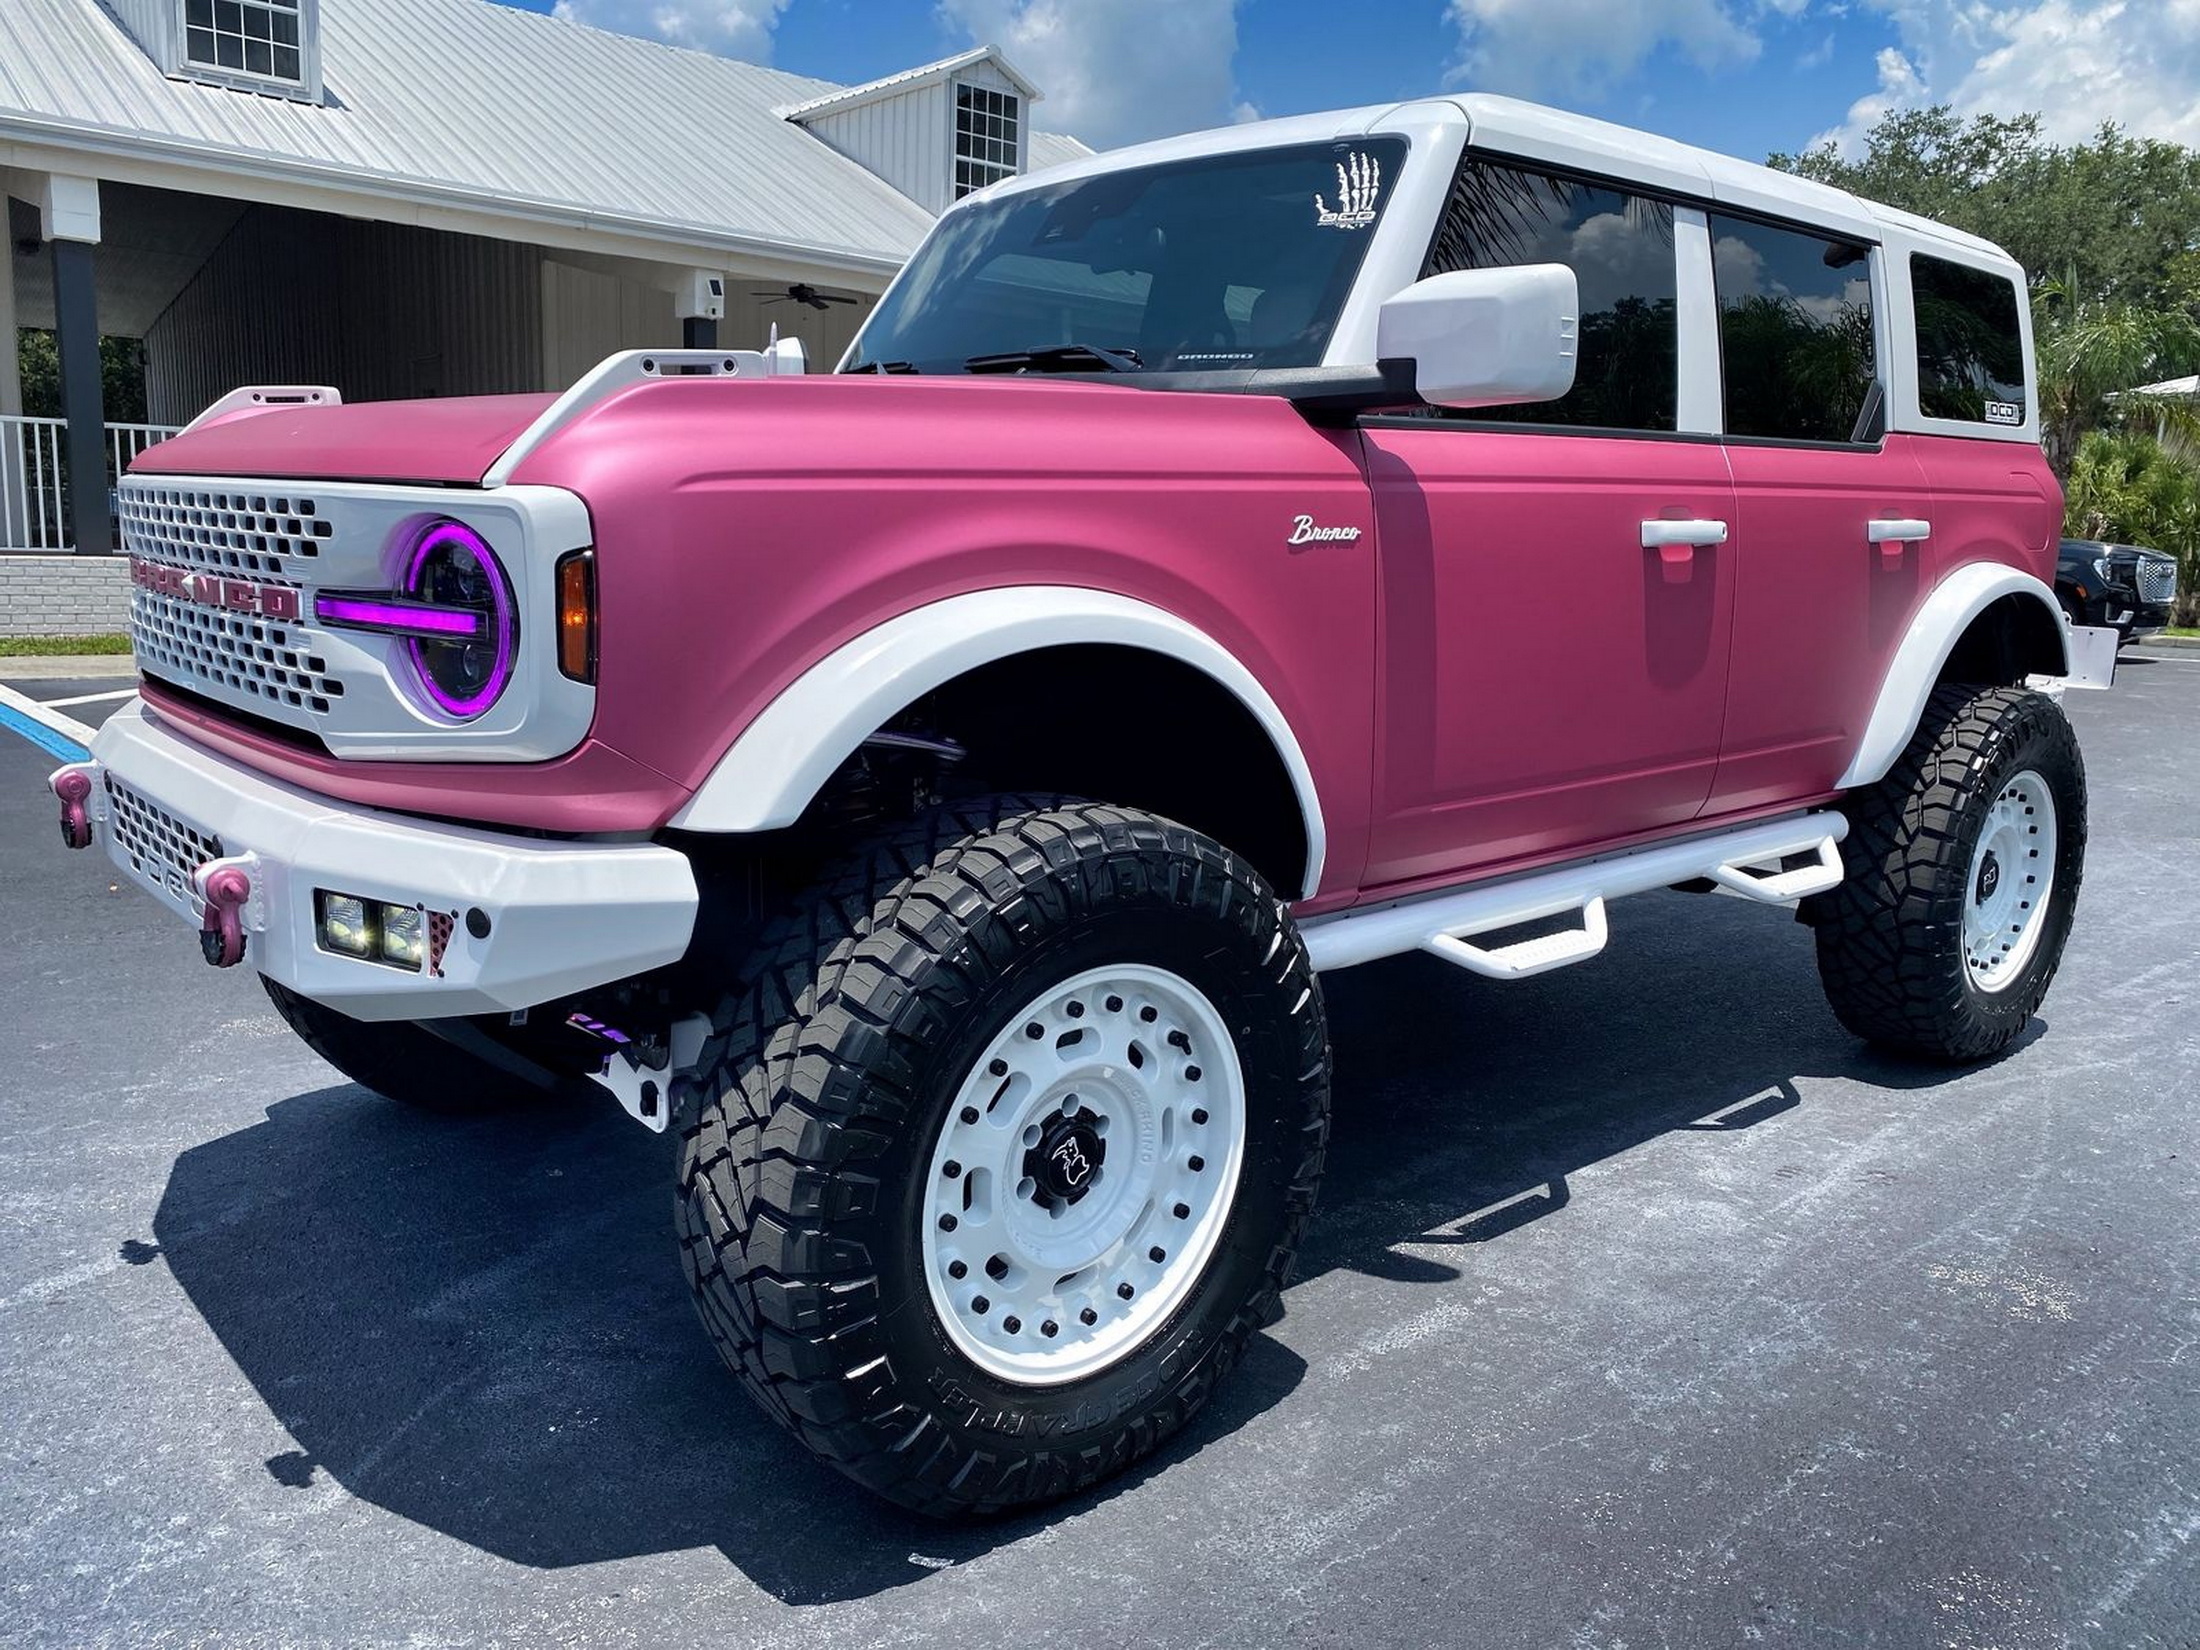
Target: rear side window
[[1795, 331], [1970, 354], [1620, 248]]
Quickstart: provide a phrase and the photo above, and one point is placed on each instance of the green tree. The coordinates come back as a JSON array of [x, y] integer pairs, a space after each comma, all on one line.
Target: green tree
[[2117, 217], [2091, 350], [121, 371]]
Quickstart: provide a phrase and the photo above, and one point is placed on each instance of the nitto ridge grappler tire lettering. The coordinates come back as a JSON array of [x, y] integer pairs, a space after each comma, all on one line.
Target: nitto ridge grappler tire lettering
[[1963, 870], [926, 1239]]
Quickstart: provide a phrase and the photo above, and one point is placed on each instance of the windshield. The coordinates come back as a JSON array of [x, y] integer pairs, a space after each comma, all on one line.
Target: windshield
[[1223, 263]]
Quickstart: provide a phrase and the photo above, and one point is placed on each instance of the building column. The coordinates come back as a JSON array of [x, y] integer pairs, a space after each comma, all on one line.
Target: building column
[[69, 214], [11, 375], [14, 518]]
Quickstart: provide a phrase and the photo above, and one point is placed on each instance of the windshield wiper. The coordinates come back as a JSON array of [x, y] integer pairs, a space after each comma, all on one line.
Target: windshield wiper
[[1075, 357], [886, 366]]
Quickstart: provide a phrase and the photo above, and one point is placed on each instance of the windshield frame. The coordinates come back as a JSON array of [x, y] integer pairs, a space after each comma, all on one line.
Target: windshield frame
[[873, 352]]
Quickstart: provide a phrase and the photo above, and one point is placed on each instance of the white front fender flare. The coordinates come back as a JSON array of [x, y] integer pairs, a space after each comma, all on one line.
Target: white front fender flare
[[784, 757], [1958, 599]]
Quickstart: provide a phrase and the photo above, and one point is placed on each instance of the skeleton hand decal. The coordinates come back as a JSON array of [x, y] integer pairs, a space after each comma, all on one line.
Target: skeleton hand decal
[[1359, 180]]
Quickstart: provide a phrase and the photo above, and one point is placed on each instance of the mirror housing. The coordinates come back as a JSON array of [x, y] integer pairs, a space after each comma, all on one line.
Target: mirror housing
[[1486, 337]]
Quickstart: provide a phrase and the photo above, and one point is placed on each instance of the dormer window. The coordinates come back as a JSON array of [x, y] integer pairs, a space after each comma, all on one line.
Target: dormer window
[[988, 137], [261, 38], [272, 47]]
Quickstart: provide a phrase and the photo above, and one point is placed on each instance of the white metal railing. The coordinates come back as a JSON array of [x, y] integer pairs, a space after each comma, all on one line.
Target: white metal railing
[[34, 476]]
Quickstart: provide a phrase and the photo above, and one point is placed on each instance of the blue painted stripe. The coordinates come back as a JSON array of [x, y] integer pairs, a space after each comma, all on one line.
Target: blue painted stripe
[[52, 743]]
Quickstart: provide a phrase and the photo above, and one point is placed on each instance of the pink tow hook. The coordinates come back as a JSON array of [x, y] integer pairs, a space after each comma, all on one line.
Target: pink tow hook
[[221, 932], [74, 786]]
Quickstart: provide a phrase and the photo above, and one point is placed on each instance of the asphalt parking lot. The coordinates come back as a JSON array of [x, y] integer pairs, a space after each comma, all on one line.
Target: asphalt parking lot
[[1644, 1308]]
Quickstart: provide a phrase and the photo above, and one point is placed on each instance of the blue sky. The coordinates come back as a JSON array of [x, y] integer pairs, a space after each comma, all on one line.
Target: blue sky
[[1743, 76]]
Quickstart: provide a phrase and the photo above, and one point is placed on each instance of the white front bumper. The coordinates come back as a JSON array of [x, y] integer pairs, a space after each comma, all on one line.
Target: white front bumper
[[528, 919]]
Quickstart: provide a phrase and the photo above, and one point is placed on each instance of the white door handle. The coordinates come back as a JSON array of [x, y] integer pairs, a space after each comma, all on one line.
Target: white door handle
[[1657, 534], [1899, 531]]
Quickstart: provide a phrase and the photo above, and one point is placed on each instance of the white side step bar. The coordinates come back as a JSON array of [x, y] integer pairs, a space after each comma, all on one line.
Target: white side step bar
[[1748, 862]]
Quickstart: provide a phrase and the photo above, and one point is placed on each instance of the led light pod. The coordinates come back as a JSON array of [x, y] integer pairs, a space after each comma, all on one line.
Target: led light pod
[[404, 935], [343, 925]]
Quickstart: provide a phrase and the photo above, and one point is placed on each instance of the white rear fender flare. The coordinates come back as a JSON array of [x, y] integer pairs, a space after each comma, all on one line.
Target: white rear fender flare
[[1957, 600], [783, 758]]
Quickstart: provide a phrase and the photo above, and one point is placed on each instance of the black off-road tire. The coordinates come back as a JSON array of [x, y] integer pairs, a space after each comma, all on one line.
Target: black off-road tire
[[1890, 938], [401, 1062], [805, 1161]]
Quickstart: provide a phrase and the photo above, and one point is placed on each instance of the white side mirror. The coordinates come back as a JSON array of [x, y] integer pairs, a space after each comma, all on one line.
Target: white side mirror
[[1486, 337]]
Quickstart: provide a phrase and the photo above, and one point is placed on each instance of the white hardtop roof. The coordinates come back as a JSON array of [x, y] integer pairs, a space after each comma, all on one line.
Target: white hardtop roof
[[465, 106], [1508, 126]]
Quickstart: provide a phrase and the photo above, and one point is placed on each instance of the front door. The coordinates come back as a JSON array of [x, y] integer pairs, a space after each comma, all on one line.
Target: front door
[[1557, 585], [1549, 681]]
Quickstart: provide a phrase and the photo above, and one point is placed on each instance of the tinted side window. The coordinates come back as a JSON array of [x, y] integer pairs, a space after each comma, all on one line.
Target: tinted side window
[[1970, 355], [1620, 248], [1795, 331]]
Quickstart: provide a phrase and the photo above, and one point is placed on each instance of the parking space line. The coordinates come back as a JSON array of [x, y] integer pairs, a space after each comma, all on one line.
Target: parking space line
[[89, 698], [52, 732]]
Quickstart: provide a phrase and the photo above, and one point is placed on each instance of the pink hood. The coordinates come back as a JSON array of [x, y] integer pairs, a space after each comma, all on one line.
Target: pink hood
[[453, 441]]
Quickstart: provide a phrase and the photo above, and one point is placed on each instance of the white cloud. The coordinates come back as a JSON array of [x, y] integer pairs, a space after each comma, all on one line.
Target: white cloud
[[732, 28], [1585, 46], [1115, 71], [2075, 63]]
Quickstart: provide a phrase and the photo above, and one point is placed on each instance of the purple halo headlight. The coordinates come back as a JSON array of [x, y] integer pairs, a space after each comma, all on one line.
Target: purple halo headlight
[[452, 567]]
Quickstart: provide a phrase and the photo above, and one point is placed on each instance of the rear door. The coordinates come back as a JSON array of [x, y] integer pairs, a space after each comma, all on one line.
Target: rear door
[[1834, 521]]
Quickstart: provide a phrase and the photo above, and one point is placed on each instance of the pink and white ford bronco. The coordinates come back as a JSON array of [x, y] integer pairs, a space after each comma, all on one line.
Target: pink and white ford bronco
[[935, 788]]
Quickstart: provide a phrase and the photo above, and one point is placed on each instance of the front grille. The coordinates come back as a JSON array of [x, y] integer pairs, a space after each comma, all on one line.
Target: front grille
[[274, 534], [229, 573], [2156, 577], [262, 532], [161, 849], [258, 657]]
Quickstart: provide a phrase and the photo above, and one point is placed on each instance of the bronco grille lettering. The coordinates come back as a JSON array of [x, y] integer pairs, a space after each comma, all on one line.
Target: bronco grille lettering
[[266, 601]]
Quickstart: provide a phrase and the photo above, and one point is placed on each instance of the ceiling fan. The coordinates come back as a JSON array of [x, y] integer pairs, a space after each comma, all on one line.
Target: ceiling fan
[[803, 293]]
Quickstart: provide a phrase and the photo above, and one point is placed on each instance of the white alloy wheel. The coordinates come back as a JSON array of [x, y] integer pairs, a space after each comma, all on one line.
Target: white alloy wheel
[[1084, 1174], [2011, 882]]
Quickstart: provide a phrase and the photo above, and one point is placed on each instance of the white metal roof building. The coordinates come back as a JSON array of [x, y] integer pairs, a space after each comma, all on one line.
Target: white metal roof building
[[451, 196]]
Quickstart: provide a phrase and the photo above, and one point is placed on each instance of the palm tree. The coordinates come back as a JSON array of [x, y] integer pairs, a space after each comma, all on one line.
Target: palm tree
[[2092, 351]]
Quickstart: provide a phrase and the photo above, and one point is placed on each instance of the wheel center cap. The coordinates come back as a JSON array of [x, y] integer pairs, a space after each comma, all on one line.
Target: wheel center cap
[[1989, 877], [1066, 1158]]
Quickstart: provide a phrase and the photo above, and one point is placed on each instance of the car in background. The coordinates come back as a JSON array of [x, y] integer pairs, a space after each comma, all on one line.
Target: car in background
[[2126, 587]]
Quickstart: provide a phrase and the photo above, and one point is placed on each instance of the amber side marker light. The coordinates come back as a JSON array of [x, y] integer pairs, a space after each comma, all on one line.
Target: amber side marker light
[[577, 616]]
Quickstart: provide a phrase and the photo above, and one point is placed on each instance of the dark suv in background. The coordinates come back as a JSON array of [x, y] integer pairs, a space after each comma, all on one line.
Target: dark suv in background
[[2122, 586]]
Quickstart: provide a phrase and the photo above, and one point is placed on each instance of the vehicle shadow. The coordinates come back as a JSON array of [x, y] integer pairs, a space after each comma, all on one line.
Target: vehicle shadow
[[481, 1326]]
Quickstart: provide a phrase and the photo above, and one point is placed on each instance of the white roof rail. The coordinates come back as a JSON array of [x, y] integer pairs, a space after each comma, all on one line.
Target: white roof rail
[[269, 395], [621, 372]]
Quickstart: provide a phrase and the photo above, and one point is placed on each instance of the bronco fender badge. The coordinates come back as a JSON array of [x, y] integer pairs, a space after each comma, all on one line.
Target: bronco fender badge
[[1303, 531]]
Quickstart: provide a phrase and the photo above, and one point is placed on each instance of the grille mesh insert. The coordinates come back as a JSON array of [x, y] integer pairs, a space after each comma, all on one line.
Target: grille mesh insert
[[256, 532], [195, 644], [2157, 580], [162, 849]]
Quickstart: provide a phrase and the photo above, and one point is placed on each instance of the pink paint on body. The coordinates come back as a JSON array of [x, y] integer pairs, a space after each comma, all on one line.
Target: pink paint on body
[[453, 441], [1493, 674], [1819, 609], [1547, 681], [746, 528]]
